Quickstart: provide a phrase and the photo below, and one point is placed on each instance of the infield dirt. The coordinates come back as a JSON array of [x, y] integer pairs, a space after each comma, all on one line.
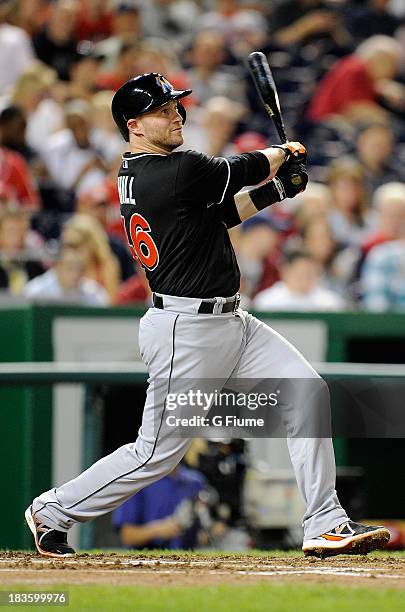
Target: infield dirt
[[168, 569]]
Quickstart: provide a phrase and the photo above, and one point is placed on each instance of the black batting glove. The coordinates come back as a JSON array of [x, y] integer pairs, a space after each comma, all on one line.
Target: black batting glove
[[291, 179]]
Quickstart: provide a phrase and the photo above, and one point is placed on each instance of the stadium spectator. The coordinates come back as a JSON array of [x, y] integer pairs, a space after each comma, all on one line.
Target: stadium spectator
[[16, 49], [84, 72], [314, 203], [94, 20], [125, 68], [210, 128], [135, 291], [249, 141], [397, 8], [318, 241], [106, 191], [208, 75], [375, 152], [72, 160], [336, 266], [16, 180], [354, 84], [20, 252], [104, 134], [85, 234], [33, 93], [349, 218], [30, 15], [244, 28], [312, 220], [170, 20], [248, 34], [96, 203], [258, 255], [55, 43], [126, 29], [383, 274], [162, 514], [109, 185], [296, 22], [65, 283], [389, 203], [370, 18], [295, 213], [299, 288], [12, 132]]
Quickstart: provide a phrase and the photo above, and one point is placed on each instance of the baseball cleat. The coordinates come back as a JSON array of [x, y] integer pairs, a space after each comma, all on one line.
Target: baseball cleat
[[349, 538], [49, 542]]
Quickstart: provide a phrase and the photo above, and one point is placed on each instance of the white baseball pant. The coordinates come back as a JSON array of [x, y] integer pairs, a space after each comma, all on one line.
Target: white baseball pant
[[178, 344]]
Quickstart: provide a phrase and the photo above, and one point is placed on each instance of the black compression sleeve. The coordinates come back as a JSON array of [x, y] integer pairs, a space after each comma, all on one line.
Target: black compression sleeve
[[247, 169], [267, 194]]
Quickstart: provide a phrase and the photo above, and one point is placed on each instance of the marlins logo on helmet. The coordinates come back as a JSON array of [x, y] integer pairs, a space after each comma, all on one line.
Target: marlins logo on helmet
[[164, 84]]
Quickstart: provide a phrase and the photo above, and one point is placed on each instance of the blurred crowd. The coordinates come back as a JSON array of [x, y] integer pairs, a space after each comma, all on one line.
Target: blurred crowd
[[339, 69]]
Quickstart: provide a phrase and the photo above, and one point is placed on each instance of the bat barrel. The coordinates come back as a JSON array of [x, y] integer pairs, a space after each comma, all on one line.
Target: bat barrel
[[266, 87]]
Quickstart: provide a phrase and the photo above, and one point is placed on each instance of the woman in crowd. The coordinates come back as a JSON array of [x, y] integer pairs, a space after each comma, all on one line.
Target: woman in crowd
[[349, 218], [84, 233]]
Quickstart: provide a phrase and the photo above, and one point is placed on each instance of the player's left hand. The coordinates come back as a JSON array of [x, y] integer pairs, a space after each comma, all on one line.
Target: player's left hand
[[294, 152]]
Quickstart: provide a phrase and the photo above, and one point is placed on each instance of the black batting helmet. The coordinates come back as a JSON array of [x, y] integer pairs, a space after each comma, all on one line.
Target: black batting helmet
[[141, 95]]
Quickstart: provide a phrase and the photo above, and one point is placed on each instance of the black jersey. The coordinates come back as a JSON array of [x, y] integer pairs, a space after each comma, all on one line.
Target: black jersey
[[177, 209]]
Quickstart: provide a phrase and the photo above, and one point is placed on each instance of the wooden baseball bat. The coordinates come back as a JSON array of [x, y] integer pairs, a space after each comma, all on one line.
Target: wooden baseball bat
[[266, 87]]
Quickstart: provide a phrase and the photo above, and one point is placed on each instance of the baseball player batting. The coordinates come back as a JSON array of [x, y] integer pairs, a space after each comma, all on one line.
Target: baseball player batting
[[177, 208]]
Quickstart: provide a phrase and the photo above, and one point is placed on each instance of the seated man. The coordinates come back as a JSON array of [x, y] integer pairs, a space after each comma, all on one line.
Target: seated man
[[299, 288], [355, 86], [162, 514]]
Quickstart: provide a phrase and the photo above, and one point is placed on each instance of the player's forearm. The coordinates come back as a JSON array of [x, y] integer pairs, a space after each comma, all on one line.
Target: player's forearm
[[248, 203], [244, 205], [254, 167], [276, 157], [241, 206], [289, 181]]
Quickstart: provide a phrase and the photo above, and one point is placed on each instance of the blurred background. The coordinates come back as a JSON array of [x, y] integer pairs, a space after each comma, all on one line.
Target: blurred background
[[326, 269]]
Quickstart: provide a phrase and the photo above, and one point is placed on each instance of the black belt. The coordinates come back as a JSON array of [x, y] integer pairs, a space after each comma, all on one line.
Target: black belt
[[204, 307]]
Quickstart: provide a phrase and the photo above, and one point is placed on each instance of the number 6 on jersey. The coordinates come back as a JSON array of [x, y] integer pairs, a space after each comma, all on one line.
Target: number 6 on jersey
[[141, 243]]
